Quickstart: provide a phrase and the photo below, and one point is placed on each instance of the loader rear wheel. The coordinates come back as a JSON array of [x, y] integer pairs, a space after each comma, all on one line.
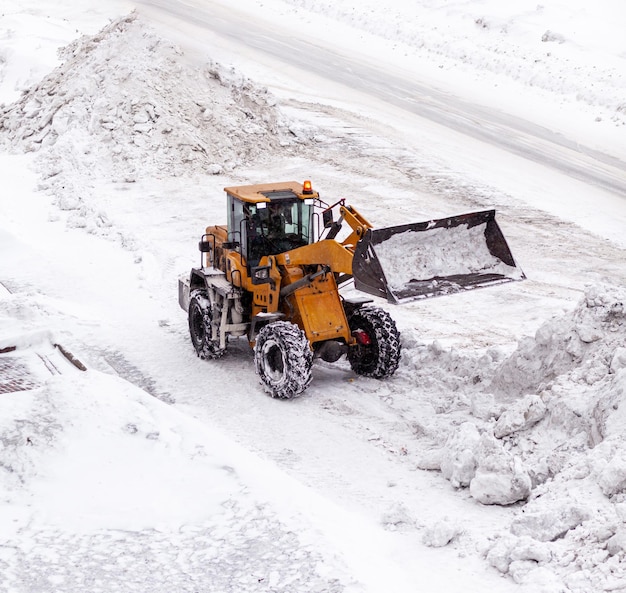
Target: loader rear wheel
[[283, 359], [377, 352], [200, 330]]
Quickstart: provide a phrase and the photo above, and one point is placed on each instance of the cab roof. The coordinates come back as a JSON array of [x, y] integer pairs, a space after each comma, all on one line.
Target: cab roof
[[265, 192]]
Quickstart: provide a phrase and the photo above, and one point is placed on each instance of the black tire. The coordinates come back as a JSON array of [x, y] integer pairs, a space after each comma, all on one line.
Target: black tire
[[377, 353], [199, 315], [283, 359]]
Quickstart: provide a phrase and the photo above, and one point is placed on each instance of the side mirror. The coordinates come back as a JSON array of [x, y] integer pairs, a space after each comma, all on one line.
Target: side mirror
[[205, 246], [327, 218]]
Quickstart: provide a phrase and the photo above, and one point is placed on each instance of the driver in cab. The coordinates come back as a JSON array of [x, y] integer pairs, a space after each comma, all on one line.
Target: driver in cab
[[275, 221]]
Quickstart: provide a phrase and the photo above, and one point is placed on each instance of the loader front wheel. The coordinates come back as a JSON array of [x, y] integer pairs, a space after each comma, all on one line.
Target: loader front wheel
[[283, 359], [200, 329], [377, 351]]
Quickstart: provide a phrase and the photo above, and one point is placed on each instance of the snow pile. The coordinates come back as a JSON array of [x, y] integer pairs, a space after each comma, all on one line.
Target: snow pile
[[553, 433], [583, 346], [480, 461], [438, 253], [126, 104]]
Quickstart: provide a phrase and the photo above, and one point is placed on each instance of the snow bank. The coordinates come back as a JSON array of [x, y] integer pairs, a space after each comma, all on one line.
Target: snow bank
[[126, 104], [480, 461], [97, 446], [582, 345], [551, 432], [101, 483]]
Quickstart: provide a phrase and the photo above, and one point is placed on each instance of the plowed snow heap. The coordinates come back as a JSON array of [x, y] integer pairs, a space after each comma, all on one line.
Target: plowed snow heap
[[556, 438], [126, 100]]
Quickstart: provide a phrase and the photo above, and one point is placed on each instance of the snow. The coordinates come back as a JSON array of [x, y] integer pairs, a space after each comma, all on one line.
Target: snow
[[439, 252], [493, 459], [100, 468]]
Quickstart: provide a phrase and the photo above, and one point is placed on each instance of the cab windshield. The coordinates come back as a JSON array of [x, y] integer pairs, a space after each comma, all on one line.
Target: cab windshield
[[270, 228]]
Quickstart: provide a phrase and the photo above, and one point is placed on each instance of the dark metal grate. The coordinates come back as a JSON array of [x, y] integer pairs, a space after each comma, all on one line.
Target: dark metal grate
[[15, 376]]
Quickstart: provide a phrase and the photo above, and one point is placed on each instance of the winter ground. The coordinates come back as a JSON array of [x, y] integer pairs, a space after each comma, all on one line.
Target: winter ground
[[493, 459]]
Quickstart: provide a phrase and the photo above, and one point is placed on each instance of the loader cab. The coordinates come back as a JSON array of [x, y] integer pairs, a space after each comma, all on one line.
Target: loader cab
[[269, 219]]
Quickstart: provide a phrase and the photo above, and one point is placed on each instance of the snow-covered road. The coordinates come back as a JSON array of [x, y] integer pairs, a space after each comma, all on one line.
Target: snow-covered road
[[403, 88]]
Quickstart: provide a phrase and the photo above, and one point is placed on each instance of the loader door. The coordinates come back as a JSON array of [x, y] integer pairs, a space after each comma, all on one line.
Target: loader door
[[244, 229], [236, 219]]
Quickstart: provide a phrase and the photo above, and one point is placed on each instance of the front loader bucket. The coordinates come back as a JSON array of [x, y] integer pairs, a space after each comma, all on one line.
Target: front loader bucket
[[433, 258]]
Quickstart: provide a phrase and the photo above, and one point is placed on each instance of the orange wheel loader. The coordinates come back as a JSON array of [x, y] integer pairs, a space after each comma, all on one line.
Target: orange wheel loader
[[273, 274]]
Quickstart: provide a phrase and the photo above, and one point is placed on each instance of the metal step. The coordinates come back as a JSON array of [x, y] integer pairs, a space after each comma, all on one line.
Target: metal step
[[217, 279]]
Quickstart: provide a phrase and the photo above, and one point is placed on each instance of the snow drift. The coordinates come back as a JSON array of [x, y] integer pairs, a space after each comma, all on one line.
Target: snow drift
[[119, 475], [553, 435]]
